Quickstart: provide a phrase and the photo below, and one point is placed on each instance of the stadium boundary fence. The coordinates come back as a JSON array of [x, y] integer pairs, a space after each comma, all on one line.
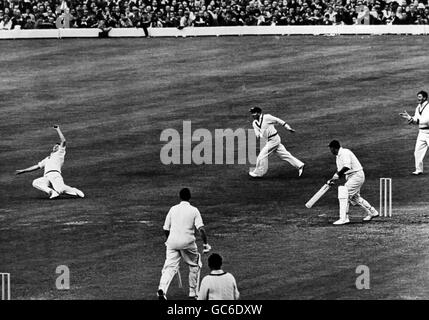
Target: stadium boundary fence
[[221, 31]]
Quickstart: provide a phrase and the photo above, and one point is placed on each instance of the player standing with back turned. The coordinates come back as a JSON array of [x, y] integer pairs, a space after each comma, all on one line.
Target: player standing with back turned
[[179, 227]]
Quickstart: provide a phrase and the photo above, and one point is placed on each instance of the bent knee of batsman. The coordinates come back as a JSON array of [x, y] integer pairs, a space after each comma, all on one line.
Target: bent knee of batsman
[[354, 199]]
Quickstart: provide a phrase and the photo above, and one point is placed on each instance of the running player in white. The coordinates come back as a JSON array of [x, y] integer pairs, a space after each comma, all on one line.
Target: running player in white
[[263, 124], [52, 182]]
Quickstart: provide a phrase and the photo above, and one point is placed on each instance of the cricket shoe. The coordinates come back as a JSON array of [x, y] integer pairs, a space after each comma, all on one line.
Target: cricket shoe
[[416, 173], [373, 214], [253, 175], [54, 194], [192, 296], [342, 221], [79, 193], [301, 170], [161, 295]]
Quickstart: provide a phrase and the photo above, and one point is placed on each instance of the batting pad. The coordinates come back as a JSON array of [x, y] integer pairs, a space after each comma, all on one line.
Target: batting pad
[[343, 193]]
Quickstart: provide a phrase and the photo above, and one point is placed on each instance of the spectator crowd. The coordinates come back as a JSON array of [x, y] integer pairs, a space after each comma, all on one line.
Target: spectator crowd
[[38, 14]]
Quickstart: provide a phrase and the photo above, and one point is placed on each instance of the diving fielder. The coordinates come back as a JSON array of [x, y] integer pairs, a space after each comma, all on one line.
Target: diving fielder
[[263, 124], [349, 166], [52, 181], [421, 118]]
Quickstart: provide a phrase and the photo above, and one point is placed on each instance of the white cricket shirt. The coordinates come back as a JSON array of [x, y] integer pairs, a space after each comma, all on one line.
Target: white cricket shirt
[[421, 116], [181, 221], [54, 161], [218, 285], [346, 158], [264, 127]]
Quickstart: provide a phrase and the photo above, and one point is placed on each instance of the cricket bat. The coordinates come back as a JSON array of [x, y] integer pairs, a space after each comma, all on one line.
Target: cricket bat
[[317, 195]]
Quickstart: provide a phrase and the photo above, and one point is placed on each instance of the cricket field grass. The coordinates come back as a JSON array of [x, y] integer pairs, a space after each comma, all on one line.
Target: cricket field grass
[[114, 97]]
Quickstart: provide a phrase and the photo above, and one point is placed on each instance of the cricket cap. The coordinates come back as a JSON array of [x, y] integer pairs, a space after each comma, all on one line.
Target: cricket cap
[[334, 144], [255, 110]]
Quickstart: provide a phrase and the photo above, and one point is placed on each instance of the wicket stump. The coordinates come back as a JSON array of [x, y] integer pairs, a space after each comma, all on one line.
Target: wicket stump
[[385, 197], [5, 286]]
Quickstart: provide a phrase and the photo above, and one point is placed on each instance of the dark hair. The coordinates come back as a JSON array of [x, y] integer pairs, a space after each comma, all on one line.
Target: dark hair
[[335, 144], [215, 261], [185, 194], [255, 110], [423, 93]]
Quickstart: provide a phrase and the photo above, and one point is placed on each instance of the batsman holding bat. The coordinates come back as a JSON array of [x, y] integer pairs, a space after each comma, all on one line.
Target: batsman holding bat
[[318, 194], [349, 166]]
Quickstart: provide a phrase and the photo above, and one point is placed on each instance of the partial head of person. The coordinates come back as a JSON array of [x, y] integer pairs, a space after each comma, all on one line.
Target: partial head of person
[[422, 96], [256, 112], [55, 147], [185, 194], [215, 261], [335, 146]]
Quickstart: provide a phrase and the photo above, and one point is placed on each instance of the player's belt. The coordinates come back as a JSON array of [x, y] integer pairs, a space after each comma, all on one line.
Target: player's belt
[[425, 128], [273, 135], [52, 171]]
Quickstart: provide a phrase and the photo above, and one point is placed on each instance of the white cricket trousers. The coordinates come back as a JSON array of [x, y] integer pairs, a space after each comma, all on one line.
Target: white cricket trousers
[[422, 144], [274, 145], [53, 181], [354, 184], [171, 266]]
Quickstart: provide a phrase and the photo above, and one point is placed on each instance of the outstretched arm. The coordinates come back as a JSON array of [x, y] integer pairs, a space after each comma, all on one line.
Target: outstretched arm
[[279, 121], [62, 138], [288, 127], [29, 169], [409, 118]]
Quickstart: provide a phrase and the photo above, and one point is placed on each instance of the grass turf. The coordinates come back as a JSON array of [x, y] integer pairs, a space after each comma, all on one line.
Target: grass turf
[[113, 98]]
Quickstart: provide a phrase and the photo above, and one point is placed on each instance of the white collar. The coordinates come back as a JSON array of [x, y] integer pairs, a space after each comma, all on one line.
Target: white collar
[[220, 271], [422, 107]]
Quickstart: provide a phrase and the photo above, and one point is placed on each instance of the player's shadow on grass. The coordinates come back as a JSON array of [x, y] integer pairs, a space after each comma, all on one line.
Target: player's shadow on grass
[[278, 176], [142, 174], [328, 222], [60, 198]]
